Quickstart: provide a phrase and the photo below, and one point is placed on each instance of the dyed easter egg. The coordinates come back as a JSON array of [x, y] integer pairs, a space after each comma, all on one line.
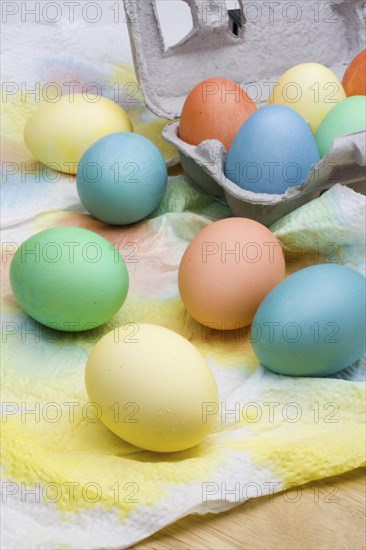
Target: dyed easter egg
[[346, 117], [214, 109], [227, 270], [313, 323], [153, 388], [273, 150], [69, 278], [310, 89], [122, 178], [354, 80], [59, 133]]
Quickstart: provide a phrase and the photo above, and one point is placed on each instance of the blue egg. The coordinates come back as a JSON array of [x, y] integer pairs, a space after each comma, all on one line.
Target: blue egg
[[312, 323], [121, 178], [273, 150]]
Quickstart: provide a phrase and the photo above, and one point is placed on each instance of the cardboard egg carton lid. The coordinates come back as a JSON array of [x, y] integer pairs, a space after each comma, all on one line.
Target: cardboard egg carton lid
[[271, 37], [252, 51]]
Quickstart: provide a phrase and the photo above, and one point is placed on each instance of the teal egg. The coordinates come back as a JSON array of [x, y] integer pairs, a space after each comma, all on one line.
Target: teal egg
[[312, 323], [69, 278], [121, 178], [346, 117]]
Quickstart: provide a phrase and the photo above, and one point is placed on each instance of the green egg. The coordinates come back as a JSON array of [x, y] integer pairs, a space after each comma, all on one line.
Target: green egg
[[346, 117], [69, 278]]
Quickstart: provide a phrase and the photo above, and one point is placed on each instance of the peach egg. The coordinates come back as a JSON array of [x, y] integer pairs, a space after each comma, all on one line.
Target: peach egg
[[227, 270], [215, 109], [354, 80]]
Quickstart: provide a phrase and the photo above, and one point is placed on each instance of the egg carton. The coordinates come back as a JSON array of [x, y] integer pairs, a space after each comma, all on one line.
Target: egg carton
[[253, 46]]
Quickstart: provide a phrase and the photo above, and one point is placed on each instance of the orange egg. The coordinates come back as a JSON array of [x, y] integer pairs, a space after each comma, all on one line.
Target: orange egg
[[354, 80], [215, 109], [227, 270]]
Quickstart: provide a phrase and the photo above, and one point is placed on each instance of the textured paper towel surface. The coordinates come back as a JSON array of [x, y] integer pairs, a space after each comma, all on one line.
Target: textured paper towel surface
[[92, 489], [70, 483]]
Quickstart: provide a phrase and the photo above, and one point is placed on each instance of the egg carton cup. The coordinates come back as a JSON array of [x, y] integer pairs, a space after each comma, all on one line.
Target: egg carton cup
[[265, 46], [205, 166]]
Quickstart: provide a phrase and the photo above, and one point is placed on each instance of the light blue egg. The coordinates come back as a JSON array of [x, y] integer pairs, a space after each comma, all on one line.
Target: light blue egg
[[313, 322], [121, 178], [273, 150]]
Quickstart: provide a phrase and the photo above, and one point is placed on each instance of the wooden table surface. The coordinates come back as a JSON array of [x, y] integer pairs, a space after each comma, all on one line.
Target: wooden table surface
[[325, 515]]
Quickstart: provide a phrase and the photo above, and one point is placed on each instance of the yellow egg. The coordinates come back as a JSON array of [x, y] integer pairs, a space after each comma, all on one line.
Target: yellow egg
[[310, 89], [59, 133], [152, 388]]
